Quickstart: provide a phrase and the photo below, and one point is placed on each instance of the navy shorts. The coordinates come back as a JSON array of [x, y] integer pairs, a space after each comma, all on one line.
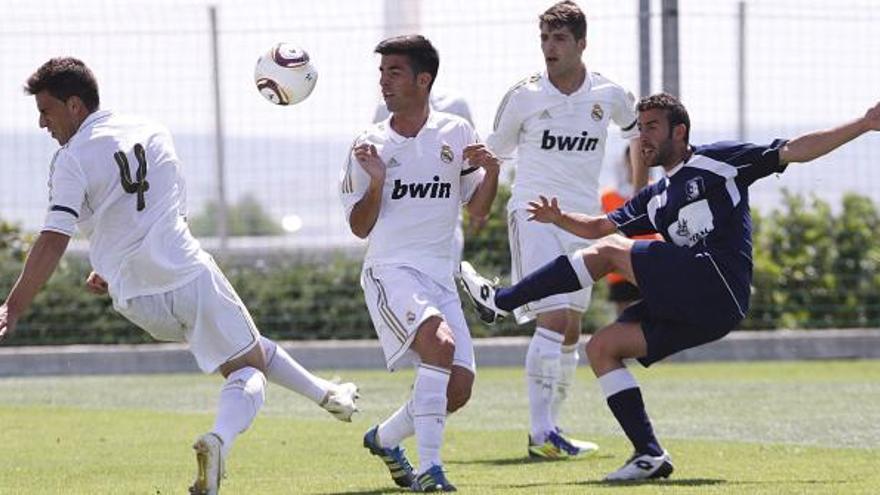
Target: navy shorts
[[685, 303]]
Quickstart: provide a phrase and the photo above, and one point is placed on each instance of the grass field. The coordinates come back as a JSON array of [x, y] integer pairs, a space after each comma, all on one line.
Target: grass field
[[731, 428]]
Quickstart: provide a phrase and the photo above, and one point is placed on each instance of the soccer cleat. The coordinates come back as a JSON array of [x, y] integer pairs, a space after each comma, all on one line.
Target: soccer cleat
[[209, 458], [482, 293], [341, 401], [432, 480], [556, 446], [394, 459], [643, 467], [585, 447]]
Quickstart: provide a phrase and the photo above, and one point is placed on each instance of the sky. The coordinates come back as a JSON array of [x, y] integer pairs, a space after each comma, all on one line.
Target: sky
[[809, 64]]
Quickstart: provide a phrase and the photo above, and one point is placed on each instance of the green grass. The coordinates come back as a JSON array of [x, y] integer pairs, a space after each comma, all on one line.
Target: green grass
[[731, 428]]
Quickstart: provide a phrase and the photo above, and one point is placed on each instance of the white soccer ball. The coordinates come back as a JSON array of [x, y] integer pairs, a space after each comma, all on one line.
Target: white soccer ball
[[285, 75]]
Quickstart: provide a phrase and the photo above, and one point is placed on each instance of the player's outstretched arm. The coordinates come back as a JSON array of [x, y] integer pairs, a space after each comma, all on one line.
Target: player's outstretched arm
[[40, 264], [815, 144], [366, 211], [579, 224]]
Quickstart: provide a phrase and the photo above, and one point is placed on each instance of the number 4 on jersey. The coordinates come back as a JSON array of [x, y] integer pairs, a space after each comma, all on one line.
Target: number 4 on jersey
[[140, 186]]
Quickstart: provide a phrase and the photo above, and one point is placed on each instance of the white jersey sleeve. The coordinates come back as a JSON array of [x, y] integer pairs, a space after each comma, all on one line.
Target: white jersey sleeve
[[67, 192], [471, 176], [624, 114], [508, 124], [353, 181]]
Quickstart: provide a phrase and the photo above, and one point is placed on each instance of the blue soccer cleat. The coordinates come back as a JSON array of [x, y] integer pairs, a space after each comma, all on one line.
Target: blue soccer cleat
[[394, 459], [432, 480]]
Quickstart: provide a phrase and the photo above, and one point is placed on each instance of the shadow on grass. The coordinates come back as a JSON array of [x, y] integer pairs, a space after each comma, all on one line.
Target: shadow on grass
[[522, 460]]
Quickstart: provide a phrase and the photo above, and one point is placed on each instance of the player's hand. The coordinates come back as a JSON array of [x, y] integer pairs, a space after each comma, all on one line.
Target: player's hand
[[545, 211], [872, 118], [369, 159], [7, 322], [95, 284], [479, 155]]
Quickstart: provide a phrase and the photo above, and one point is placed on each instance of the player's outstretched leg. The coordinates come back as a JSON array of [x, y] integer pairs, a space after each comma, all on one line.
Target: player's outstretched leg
[[562, 275], [394, 458], [340, 400]]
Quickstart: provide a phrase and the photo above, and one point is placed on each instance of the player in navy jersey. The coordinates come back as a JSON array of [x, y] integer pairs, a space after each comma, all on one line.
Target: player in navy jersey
[[695, 286]]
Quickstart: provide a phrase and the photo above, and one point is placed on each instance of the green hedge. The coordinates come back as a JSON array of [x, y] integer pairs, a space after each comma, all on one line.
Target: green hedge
[[814, 268]]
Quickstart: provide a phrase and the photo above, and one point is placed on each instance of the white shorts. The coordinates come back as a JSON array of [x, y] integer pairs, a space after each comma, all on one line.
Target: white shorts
[[533, 245], [206, 313], [400, 299]]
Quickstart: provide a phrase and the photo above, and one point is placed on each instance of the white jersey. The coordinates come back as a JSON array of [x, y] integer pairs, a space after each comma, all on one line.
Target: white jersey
[[426, 182], [118, 182], [560, 139]]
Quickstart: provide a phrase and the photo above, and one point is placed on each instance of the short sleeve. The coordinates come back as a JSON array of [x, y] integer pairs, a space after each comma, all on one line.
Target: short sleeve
[[353, 182], [67, 192], [471, 177], [625, 115], [632, 218], [752, 161]]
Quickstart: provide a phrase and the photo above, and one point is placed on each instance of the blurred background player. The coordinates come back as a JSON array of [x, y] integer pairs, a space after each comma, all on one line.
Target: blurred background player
[[116, 179], [444, 100], [695, 286], [403, 187], [557, 122], [620, 291]]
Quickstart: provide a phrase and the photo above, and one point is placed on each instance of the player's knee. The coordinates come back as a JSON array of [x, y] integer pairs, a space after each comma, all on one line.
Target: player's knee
[[457, 398], [596, 349]]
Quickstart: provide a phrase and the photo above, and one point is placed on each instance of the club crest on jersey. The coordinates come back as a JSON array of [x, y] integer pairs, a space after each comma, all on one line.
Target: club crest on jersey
[[446, 154], [694, 188], [597, 112]]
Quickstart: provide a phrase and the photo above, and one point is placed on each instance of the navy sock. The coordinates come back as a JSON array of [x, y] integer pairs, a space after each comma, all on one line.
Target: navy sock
[[556, 277], [629, 409]]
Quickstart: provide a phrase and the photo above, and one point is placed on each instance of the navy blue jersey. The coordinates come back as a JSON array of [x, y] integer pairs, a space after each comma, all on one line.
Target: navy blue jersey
[[703, 205]]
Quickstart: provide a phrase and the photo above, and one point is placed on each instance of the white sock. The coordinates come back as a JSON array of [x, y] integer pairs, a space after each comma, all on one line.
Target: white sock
[[282, 369], [580, 268], [241, 398], [397, 427], [429, 413], [617, 381], [542, 372], [568, 362]]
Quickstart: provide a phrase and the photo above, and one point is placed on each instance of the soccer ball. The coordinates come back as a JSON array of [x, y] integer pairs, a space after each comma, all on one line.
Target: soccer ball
[[285, 75]]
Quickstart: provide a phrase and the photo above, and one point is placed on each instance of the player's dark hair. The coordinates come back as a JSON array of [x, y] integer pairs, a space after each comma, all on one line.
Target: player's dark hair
[[675, 112], [565, 14], [64, 77], [418, 50]]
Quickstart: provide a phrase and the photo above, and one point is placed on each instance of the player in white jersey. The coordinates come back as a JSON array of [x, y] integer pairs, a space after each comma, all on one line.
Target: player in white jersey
[[402, 188], [444, 100], [557, 122], [117, 180]]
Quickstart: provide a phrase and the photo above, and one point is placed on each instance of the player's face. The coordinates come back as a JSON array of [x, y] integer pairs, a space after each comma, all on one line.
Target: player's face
[[400, 87], [562, 52], [658, 145], [59, 117]]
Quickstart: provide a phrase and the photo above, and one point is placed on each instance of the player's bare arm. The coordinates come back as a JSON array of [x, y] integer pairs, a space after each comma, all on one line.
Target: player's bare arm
[[366, 211], [815, 144], [40, 264], [479, 155], [96, 284], [589, 227]]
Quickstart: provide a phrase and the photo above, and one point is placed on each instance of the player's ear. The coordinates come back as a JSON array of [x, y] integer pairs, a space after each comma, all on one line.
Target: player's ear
[[679, 132], [76, 106], [423, 79]]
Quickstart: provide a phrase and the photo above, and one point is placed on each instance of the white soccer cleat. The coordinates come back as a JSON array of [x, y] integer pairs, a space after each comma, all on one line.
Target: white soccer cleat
[[482, 294], [209, 458], [643, 467], [341, 401]]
